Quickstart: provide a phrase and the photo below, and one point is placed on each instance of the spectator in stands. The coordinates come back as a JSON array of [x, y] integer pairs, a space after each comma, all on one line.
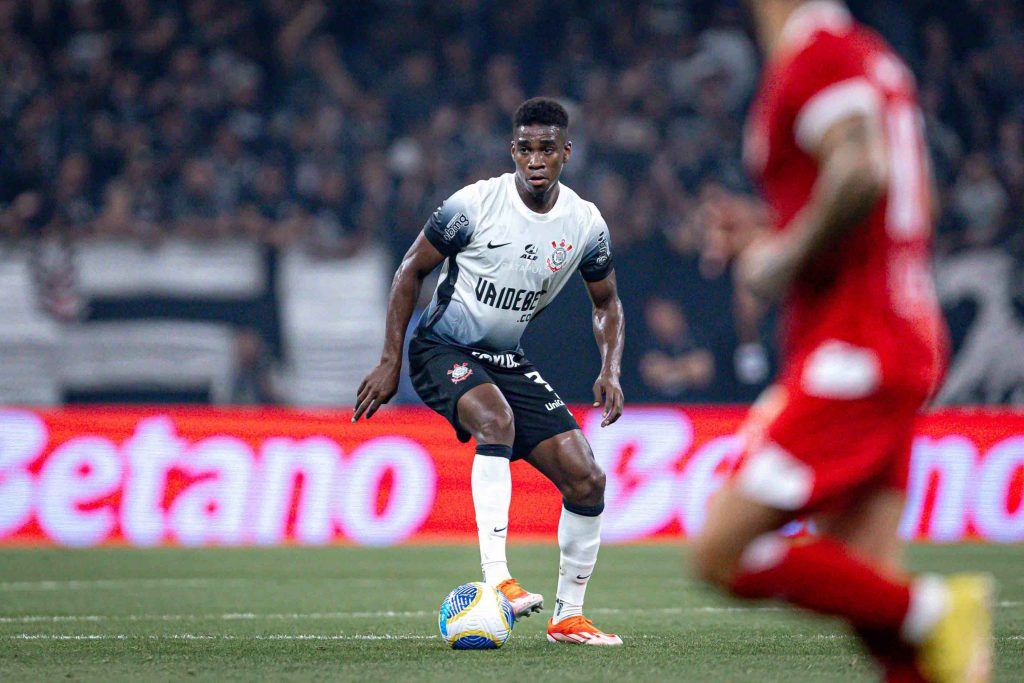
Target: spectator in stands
[[333, 126], [195, 208], [980, 200], [74, 206], [1009, 159], [254, 382], [674, 364]]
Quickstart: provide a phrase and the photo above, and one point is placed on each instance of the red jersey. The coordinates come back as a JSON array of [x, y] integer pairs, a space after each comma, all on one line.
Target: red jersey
[[872, 290]]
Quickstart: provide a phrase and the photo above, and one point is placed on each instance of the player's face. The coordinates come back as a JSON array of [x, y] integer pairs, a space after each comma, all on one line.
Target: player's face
[[539, 152]]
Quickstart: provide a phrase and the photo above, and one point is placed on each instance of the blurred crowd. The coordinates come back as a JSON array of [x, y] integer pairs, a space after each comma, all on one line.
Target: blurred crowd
[[336, 125]]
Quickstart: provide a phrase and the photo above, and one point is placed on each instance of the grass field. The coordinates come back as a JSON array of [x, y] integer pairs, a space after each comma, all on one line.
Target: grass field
[[343, 613]]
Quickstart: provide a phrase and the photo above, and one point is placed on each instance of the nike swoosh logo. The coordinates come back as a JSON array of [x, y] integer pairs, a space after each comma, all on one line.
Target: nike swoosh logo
[[498, 531], [495, 246], [584, 578]]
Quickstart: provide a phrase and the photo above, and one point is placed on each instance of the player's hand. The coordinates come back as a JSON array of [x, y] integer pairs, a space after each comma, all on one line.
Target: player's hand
[[377, 389], [764, 269], [608, 392]]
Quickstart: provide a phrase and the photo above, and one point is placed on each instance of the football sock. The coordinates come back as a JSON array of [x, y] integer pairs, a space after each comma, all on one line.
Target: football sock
[[579, 538], [821, 576], [491, 482]]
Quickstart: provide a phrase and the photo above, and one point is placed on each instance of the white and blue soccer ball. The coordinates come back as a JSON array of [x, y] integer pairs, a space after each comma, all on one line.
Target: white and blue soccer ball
[[475, 616]]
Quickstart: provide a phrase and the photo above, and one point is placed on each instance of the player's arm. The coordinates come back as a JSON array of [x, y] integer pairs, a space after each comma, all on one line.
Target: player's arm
[[852, 176], [382, 382], [609, 330]]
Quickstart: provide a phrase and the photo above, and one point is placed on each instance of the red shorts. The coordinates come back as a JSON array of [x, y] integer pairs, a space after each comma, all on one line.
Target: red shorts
[[811, 454]]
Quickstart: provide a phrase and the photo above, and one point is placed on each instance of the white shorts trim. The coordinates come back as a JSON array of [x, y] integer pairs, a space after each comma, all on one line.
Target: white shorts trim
[[774, 477]]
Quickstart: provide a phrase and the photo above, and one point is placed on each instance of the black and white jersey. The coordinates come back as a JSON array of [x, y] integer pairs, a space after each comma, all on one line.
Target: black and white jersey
[[506, 263]]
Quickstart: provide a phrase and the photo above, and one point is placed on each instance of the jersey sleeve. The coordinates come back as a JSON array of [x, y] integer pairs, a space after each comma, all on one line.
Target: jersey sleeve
[[827, 83], [451, 226], [596, 263]]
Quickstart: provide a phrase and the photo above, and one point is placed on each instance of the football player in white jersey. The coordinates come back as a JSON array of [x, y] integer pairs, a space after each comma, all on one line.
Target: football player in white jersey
[[508, 245]]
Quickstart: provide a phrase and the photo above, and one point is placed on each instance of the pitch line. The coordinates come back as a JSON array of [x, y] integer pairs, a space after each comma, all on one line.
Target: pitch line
[[71, 637], [316, 616], [227, 616], [384, 614], [206, 636], [193, 582]]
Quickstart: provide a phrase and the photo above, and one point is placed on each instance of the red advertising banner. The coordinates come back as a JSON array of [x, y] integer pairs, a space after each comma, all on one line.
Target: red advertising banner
[[203, 476]]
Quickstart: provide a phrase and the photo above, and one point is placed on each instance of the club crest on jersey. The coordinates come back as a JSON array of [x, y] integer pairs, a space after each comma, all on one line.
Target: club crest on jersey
[[559, 256], [459, 372]]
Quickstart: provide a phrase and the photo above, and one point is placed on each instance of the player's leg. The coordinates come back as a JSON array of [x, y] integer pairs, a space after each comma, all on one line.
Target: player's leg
[[485, 414], [462, 390], [738, 550], [824, 574], [566, 459], [869, 527], [961, 641], [792, 469]]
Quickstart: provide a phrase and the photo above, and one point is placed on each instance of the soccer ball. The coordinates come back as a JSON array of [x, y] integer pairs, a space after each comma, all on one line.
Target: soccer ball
[[475, 616]]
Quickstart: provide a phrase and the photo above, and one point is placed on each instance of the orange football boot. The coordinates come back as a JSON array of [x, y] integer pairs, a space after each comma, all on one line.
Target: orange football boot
[[524, 603], [581, 631]]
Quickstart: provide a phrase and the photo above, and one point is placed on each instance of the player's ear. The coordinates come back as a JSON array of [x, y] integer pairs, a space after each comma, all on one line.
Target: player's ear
[[567, 151]]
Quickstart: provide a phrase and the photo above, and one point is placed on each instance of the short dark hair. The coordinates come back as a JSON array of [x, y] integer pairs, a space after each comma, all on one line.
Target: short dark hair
[[541, 110]]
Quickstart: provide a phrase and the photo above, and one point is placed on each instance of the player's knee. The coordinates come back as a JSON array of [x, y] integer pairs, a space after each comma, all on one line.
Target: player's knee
[[496, 426], [586, 491], [595, 484]]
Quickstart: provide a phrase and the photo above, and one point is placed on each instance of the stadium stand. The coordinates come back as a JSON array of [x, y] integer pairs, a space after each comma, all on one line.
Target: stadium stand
[[227, 269], [175, 358], [181, 161], [29, 338], [333, 324]]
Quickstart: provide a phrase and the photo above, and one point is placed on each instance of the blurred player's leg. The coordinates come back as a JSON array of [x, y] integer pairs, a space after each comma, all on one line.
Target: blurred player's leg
[[739, 550], [566, 459], [946, 621], [870, 528]]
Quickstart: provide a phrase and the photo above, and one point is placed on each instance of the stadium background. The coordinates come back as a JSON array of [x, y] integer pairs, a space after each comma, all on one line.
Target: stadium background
[[201, 204], [219, 191]]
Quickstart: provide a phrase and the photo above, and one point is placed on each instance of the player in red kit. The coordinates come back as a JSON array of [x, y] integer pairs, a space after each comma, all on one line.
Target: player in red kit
[[834, 140]]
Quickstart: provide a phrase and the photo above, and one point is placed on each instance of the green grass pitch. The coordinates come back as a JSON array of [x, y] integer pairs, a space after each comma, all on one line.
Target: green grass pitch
[[358, 614]]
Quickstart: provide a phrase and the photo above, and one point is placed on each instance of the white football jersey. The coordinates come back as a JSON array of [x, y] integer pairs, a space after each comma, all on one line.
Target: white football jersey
[[506, 263]]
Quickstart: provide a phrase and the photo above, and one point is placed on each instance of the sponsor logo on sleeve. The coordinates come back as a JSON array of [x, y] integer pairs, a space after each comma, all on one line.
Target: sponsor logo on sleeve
[[604, 251], [457, 224]]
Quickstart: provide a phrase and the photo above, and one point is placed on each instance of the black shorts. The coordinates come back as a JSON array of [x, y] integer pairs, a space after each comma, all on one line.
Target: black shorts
[[441, 374]]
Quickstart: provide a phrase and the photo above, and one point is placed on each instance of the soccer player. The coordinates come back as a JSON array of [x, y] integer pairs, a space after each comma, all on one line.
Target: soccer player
[[509, 245], [834, 140]]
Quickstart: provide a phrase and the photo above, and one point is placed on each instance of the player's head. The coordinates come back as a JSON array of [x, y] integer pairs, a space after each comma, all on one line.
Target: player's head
[[540, 143]]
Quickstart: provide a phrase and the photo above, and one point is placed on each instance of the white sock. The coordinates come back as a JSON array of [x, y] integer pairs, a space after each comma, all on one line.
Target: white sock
[[929, 600], [579, 538], [492, 492]]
